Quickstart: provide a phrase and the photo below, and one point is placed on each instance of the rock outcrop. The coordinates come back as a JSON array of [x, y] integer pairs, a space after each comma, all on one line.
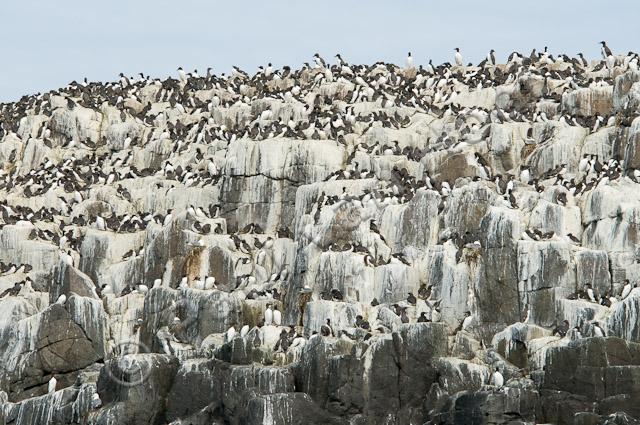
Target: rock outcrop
[[344, 244]]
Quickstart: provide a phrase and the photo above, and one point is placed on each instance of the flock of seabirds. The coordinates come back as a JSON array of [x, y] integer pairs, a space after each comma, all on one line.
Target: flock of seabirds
[[427, 89]]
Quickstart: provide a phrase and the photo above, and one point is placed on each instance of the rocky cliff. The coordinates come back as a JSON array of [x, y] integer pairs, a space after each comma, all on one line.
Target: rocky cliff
[[339, 244]]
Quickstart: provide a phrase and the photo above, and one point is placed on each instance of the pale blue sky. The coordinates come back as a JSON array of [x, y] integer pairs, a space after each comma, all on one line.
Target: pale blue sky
[[48, 43]]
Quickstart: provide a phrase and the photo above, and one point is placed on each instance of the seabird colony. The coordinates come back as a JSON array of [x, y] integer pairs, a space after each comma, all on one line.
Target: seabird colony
[[65, 176]]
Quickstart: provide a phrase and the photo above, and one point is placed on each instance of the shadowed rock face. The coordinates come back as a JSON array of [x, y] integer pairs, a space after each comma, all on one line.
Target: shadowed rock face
[[339, 244]]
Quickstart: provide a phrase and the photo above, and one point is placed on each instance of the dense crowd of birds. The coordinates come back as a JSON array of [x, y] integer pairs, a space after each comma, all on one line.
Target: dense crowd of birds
[[368, 96]]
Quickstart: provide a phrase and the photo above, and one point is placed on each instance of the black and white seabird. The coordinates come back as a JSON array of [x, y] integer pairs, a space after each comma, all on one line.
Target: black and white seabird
[[268, 315], [626, 289], [605, 50], [51, 387], [597, 330], [561, 329], [491, 57], [404, 318], [277, 316], [326, 329], [458, 57], [409, 61], [181, 75], [497, 380], [231, 333]]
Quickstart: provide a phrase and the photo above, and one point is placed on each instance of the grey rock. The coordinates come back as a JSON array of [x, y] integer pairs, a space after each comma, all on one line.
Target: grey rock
[[446, 228]]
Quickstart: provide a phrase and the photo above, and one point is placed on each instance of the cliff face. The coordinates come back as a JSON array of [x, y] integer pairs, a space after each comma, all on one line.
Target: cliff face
[[142, 220]]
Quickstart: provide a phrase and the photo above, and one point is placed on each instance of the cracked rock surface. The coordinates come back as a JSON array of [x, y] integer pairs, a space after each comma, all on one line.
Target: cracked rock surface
[[337, 244]]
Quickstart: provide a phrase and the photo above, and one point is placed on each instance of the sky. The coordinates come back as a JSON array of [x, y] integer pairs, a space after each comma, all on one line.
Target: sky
[[46, 44]]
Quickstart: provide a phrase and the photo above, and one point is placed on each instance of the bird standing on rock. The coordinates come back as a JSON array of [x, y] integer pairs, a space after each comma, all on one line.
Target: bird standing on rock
[[605, 50], [96, 403], [13, 291], [561, 329], [458, 57], [231, 333], [283, 342], [626, 289], [277, 316], [326, 329], [409, 61], [466, 322], [181, 75], [597, 330], [298, 341], [268, 315], [361, 323], [497, 380], [244, 331], [491, 57], [590, 293], [336, 295], [404, 318], [52, 385], [424, 292]]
